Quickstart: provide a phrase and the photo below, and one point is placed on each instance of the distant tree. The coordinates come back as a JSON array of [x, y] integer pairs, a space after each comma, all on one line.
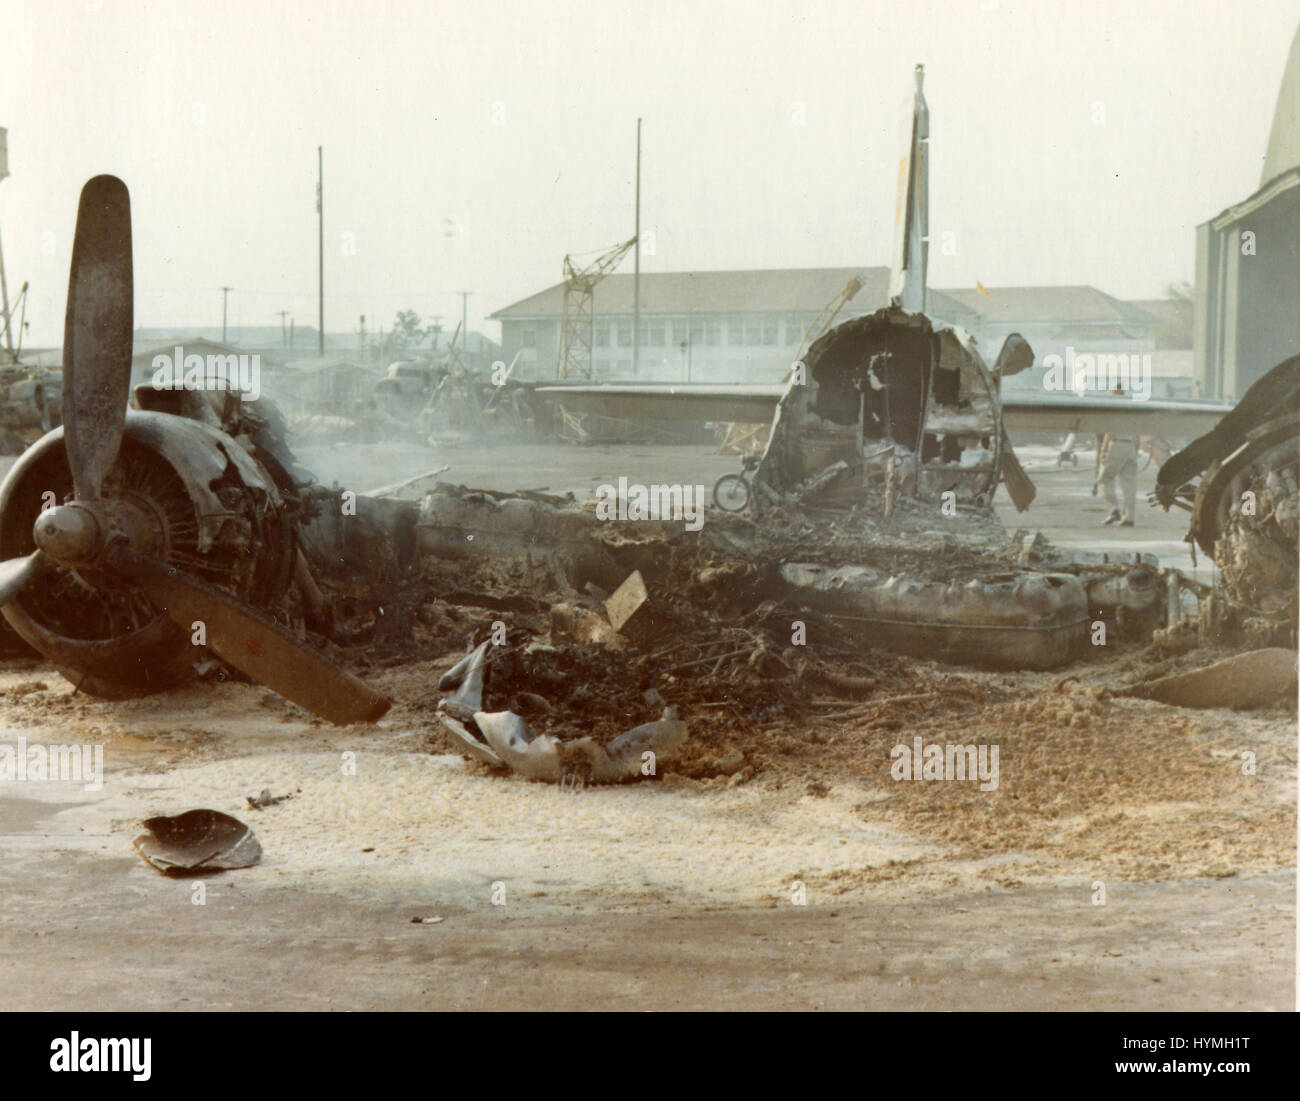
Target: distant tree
[[407, 330], [406, 334]]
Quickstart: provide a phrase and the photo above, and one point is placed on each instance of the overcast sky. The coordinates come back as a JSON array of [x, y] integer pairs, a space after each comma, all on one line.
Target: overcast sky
[[471, 145]]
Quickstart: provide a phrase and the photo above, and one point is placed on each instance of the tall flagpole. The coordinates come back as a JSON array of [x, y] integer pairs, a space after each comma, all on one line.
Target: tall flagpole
[[320, 252], [636, 278]]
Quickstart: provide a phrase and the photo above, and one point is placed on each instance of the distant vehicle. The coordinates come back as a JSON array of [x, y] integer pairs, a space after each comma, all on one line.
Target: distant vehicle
[[29, 405], [407, 388]]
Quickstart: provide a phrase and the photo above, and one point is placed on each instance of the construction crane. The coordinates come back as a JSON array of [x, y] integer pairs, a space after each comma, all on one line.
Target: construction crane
[[576, 327], [9, 327]]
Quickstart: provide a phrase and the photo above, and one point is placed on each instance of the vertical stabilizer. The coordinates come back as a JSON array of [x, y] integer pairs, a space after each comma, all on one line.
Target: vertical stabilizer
[[912, 214]]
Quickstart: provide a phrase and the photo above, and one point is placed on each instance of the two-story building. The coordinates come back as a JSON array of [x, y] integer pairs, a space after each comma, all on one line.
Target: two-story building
[[747, 326]]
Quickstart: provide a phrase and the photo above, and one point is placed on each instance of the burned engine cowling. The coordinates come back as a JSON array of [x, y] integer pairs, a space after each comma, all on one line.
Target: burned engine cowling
[[1246, 505], [210, 509]]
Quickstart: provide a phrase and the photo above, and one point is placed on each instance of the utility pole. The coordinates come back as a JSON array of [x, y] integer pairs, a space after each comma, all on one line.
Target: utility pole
[[320, 252], [284, 332], [4, 297], [4, 285], [464, 319], [225, 293], [636, 276]]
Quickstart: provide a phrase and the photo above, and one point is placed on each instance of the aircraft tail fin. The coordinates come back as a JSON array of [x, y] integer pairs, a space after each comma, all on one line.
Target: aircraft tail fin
[[912, 214]]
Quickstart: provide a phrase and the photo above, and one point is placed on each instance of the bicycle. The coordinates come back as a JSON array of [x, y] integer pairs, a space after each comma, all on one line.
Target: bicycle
[[732, 492]]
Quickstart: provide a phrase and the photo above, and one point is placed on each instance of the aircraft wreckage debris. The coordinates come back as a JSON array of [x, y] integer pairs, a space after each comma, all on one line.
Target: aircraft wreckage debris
[[1018, 621], [871, 529], [504, 739], [197, 842], [266, 799], [1244, 682]]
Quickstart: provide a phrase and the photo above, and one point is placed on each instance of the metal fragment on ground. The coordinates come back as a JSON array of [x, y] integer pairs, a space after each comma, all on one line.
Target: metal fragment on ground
[[197, 841], [1256, 679], [466, 677], [628, 599], [624, 757], [266, 799], [504, 739], [469, 743], [532, 755]]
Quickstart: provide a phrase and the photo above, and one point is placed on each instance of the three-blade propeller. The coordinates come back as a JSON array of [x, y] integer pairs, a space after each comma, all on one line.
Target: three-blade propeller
[[87, 532]]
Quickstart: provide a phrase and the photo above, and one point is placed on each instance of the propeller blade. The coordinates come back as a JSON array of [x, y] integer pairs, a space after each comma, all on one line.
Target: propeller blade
[[97, 334], [17, 572], [252, 643]]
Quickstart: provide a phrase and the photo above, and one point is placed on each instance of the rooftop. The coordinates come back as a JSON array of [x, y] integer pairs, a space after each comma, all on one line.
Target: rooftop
[[810, 290], [1070, 303], [774, 290]]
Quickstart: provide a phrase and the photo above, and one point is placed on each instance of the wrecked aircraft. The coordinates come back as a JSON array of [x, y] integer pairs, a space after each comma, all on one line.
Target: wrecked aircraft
[[927, 415], [1241, 483], [895, 399], [137, 540], [131, 538]]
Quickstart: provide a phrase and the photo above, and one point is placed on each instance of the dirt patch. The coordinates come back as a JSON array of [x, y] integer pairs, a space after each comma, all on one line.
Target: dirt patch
[[1137, 791], [788, 700]]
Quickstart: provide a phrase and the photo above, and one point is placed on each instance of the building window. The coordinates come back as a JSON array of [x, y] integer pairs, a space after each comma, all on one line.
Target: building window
[[653, 334], [736, 330], [771, 331], [713, 332], [600, 336], [754, 332], [794, 331], [528, 338], [625, 334], [681, 332]]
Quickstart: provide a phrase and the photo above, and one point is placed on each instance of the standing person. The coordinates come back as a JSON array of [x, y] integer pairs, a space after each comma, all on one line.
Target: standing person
[[1118, 461]]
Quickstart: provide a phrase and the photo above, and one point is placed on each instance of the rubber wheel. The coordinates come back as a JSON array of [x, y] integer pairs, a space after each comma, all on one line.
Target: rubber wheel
[[731, 493]]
